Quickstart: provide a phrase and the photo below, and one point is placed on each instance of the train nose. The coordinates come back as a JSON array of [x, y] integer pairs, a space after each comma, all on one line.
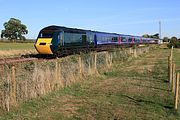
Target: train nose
[[43, 45]]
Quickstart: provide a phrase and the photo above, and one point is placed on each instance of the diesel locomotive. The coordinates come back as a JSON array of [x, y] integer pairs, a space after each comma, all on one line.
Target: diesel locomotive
[[60, 40]]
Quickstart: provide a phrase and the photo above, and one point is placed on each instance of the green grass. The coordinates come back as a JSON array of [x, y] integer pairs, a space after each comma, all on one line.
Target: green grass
[[16, 46], [136, 89], [176, 58]]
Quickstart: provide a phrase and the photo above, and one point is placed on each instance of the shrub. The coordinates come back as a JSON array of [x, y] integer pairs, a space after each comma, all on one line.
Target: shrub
[[174, 42]]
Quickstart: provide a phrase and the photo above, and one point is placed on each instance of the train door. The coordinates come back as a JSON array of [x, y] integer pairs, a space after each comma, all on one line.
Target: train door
[[95, 39], [60, 39], [119, 39], [90, 38], [84, 37], [132, 40], [123, 39], [140, 39], [55, 42]]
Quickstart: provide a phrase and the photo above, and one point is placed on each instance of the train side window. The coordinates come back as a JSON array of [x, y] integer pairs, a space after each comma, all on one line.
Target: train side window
[[114, 39], [123, 39], [129, 39], [90, 37], [60, 38]]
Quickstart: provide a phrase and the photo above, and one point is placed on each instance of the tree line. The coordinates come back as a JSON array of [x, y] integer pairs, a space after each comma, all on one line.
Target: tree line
[[173, 41], [156, 36]]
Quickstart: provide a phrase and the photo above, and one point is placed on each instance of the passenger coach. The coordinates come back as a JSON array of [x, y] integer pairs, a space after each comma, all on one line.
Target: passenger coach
[[62, 40]]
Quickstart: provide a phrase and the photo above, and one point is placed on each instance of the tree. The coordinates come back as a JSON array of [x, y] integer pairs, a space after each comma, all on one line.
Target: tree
[[173, 40], [14, 29], [151, 36], [146, 35], [155, 36], [165, 39]]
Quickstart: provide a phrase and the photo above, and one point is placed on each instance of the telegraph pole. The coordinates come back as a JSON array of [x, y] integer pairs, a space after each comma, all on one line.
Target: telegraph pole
[[159, 29]]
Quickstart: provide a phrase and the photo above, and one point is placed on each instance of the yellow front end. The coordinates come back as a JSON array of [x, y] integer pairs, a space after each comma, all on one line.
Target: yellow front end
[[43, 45]]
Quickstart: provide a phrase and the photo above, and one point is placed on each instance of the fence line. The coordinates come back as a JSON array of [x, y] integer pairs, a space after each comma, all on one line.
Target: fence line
[[22, 81], [173, 79]]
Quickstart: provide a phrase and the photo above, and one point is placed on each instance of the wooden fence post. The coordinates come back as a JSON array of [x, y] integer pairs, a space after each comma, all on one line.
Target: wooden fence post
[[13, 82], [107, 60], [80, 66], [89, 67], [131, 52], [5, 95], [56, 74], [177, 91], [171, 52], [60, 75], [173, 77], [170, 70], [135, 52], [95, 62], [111, 59]]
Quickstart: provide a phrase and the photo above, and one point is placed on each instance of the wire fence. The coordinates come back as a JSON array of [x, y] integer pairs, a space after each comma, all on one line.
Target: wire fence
[[23, 81]]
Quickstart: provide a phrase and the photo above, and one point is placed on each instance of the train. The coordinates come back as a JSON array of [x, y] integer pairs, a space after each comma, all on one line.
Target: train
[[60, 40]]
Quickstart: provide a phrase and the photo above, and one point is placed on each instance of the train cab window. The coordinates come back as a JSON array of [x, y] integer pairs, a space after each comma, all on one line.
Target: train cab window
[[46, 34]]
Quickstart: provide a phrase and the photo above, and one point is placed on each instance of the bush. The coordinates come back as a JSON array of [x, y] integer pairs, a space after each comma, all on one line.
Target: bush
[[174, 42]]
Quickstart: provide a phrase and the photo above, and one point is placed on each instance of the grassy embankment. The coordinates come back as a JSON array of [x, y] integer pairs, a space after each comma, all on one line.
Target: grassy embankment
[[16, 49], [135, 89]]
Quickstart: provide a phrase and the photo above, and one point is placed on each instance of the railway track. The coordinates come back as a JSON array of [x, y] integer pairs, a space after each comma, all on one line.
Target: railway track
[[38, 57], [26, 58], [15, 60]]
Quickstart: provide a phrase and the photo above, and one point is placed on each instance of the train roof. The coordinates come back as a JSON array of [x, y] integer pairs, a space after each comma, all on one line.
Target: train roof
[[75, 30], [62, 28]]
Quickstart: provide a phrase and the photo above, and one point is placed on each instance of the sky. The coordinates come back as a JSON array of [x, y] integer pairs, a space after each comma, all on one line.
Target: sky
[[134, 17]]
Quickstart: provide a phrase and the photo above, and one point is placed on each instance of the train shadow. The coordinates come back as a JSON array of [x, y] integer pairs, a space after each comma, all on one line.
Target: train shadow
[[39, 56], [47, 56]]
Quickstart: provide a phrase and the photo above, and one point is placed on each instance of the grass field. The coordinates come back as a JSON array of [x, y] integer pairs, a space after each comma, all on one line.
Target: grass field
[[16, 49], [135, 89], [16, 46]]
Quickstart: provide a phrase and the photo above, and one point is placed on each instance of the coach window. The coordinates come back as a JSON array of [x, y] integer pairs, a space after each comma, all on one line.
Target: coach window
[[135, 40], [116, 39], [129, 39], [112, 39], [123, 39], [138, 40]]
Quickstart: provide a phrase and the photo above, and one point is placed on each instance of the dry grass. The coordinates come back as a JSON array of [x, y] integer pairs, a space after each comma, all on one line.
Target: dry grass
[[16, 49], [13, 53], [133, 89]]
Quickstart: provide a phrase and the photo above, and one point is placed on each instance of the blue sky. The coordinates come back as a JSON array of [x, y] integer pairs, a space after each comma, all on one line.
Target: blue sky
[[135, 17]]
